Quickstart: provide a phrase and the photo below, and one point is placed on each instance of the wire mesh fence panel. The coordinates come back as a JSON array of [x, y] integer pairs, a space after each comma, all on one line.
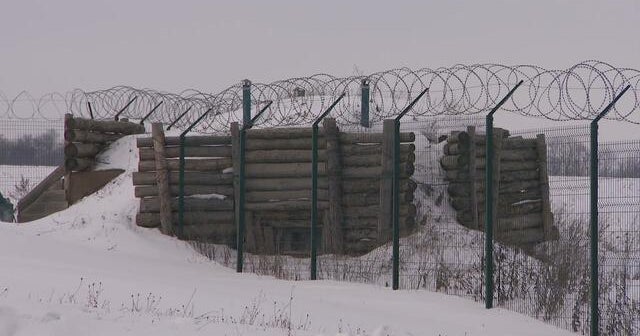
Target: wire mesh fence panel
[[619, 238], [445, 251], [542, 233], [29, 151]]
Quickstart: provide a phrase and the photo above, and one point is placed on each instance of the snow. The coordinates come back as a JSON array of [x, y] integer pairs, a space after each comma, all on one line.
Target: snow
[[90, 270]]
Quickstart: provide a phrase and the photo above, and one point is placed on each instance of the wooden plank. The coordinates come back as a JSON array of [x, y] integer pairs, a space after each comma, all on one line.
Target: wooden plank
[[162, 178], [152, 204], [202, 151], [332, 234], [386, 182], [35, 193], [471, 130], [191, 164], [198, 178], [106, 126], [191, 140]]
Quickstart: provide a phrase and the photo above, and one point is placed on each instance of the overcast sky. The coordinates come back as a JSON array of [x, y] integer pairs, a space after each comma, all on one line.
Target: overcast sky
[[209, 45]]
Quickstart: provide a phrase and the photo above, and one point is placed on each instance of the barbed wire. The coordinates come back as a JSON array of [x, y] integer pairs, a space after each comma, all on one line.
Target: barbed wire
[[576, 93]]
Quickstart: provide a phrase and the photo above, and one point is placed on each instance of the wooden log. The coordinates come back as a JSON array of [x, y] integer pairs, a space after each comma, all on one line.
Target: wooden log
[[518, 154], [105, 126], [90, 137], [205, 165], [190, 141], [189, 190], [471, 130], [372, 160], [288, 223], [152, 204], [282, 155], [353, 138], [288, 144], [458, 137], [455, 148], [148, 178], [283, 215], [72, 150], [369, 149], [162, 178], [547, 216], [236, 152], [454, 162], [282, 184], [406, 170], [203, 151], [368, 185], [386, 182], [283, 206], [267, 196], [283, 170], [78, 164], [280, 133], [152, 219], [332, 235]]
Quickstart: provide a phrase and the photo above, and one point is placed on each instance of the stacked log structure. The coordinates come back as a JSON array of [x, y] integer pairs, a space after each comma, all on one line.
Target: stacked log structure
[[521, 187], [85, 138], [208, 187], [278, 186]]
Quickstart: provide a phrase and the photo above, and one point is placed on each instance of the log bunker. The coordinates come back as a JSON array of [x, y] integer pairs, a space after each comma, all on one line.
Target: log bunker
[[521, 185], [354, 198]]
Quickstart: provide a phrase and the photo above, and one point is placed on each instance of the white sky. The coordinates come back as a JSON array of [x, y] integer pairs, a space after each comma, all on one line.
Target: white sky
[[209, 45]]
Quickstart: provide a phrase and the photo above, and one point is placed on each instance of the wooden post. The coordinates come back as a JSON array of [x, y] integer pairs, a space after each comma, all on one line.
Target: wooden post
[[332, 233], [471, 130], [162, 178], [386, 182], [235, 161], [547, 216]]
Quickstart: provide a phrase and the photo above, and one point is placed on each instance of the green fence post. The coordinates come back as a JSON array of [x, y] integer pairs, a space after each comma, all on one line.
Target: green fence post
[[314, 188], [489, 206], [593, 227], [246, 123], [364, 104], [395, 190], [181, 171]]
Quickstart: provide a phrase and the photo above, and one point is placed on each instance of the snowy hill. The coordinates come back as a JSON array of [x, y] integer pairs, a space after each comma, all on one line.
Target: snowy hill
[[89, 270]]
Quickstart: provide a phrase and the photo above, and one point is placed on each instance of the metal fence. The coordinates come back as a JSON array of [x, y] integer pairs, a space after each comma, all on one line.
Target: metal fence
[[30, 149]]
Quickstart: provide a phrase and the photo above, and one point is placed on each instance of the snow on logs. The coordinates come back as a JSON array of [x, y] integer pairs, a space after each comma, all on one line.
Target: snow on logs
[[521, 197], [85, 138]]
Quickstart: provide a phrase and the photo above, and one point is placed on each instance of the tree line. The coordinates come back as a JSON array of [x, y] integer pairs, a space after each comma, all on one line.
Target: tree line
[[45, 149]]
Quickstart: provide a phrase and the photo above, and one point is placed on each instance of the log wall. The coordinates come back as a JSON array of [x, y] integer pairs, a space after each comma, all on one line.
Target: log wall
[[85, 138], [208, 186], [522, 209], [278, 188]]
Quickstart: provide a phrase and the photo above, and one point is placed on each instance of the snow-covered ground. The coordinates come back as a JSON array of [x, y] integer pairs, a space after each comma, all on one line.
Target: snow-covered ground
[[89, 270]]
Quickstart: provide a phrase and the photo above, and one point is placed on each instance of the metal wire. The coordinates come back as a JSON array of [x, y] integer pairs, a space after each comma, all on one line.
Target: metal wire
[[578, 92]]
